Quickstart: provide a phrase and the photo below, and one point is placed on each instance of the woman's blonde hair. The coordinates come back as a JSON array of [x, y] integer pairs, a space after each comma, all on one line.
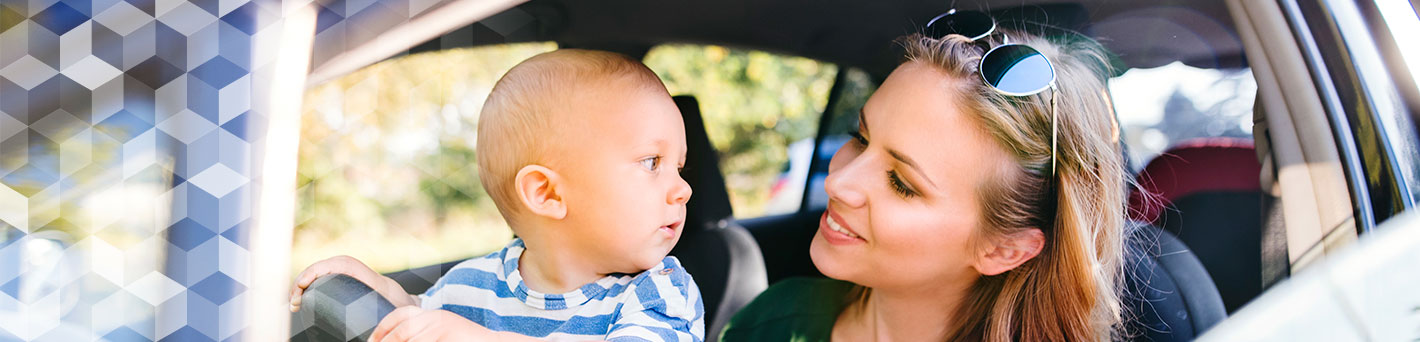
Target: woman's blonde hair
[[1070, 291]]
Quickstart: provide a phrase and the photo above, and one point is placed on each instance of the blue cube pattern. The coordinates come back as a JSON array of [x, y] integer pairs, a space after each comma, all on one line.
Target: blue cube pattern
[[125, 153]]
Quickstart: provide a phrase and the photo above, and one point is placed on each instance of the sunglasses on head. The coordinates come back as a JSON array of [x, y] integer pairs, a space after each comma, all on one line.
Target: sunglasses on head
[[1010, 69]]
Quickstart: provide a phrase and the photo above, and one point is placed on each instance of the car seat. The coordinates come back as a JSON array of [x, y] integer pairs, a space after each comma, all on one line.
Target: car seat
[[1206, 192], [721, 255], [1168, 295]]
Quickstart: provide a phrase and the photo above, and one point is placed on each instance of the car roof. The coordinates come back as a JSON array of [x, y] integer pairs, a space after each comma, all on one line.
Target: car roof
[[1142, 34]]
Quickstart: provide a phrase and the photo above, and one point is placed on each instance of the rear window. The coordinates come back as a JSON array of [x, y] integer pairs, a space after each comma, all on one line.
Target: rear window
[[1160, 107], [756, 106]]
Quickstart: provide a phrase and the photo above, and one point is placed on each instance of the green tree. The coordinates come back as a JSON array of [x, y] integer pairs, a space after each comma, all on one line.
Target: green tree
[[754, 104]]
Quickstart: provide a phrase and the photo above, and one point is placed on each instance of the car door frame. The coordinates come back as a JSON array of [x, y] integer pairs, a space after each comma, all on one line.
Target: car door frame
[[1365, 103]]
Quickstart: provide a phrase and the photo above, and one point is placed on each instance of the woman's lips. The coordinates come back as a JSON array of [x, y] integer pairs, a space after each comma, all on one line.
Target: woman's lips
[[835, 232]]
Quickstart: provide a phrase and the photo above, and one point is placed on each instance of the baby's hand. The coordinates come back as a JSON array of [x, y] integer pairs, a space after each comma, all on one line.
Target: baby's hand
[[411, 323], [342, 265]]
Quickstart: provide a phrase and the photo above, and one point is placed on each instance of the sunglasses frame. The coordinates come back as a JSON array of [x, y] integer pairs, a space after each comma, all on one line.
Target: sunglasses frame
[[953, 11]]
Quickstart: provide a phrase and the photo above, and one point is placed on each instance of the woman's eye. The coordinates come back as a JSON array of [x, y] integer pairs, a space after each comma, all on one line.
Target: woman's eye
[[858, 137], [898, 185], [651, 164]]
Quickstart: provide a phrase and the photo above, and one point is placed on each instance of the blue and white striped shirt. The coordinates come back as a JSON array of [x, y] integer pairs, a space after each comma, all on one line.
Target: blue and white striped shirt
[[659, 304]]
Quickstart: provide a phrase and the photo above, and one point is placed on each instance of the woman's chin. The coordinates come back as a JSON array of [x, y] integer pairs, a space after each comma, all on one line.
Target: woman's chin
[[829, 261]]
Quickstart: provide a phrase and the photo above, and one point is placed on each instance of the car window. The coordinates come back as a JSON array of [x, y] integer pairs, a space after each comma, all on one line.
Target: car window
[[1160, 107], [386, 168], [756, 106], [1397, 17], [853, 93]]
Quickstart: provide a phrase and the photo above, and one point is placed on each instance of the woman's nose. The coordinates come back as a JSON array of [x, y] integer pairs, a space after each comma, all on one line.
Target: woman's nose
[[845, 180]]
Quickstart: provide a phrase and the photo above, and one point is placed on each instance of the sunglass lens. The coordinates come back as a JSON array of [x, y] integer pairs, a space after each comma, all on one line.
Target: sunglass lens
[[1017, 70], [971, 24]]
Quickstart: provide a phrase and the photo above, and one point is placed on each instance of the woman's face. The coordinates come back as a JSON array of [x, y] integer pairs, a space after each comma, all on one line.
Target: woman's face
[[903, 201]]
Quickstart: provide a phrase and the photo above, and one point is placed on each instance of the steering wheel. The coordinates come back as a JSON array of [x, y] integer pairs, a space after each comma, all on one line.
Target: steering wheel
[[338, 308]]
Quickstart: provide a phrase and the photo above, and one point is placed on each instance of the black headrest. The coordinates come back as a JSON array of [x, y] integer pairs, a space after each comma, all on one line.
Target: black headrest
[[1168, 293], [710, 202]]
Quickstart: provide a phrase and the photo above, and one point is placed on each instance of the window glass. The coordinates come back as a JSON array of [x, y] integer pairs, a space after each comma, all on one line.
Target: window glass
[[386, 167], [756, 105], [1160, 107], [1397, 16]]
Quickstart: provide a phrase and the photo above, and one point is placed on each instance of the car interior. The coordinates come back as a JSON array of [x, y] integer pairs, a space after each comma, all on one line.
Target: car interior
[[1210, 229]]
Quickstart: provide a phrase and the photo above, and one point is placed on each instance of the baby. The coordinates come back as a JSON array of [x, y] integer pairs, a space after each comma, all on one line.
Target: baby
[[580, 151]]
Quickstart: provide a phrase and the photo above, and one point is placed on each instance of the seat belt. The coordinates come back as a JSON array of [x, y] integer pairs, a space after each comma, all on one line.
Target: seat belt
[[1275, 264]]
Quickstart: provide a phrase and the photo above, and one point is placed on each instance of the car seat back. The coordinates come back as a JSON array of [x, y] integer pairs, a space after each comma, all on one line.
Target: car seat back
[[1206, 192], [721, 255], [1168, 295]]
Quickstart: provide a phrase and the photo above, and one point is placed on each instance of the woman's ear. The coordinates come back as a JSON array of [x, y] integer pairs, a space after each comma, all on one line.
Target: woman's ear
[[1010, 252], [538, 188]]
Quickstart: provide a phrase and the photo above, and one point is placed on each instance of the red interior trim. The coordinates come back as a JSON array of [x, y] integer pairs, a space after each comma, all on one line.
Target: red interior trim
[[1196, 166]]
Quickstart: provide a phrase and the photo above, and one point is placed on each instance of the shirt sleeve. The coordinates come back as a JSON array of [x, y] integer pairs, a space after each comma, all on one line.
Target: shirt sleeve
[[666, 307]]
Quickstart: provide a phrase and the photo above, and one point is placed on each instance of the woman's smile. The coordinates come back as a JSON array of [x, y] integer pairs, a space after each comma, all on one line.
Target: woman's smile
[[836, 232]]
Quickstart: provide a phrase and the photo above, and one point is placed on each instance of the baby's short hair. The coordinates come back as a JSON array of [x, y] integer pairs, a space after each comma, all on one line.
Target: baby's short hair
[[519, 125]]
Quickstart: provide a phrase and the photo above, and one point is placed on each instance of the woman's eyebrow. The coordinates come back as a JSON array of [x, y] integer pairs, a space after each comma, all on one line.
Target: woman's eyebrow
[[905, 160], [863, 129]]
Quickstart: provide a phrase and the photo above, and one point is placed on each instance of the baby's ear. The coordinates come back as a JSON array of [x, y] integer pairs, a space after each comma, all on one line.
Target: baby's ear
[[538, 188], [1010, 252]]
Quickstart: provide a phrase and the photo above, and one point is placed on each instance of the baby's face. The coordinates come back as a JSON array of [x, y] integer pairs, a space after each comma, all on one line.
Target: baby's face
[[624, 194]]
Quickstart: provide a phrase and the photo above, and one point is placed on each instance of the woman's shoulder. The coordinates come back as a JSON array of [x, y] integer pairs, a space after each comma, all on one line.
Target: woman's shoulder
[[801, 308]]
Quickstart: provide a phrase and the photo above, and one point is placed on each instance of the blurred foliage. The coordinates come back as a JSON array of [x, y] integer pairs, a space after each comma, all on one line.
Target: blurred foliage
[[79, 185], [852, 95], [455, 192], [754, 104]]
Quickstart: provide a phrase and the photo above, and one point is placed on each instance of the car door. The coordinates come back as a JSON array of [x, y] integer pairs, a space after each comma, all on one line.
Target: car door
[[1348, 73]]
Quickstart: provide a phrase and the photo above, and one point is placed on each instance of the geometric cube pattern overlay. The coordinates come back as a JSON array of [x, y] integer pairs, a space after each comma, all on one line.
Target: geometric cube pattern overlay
[[338, 308], [126, 160]]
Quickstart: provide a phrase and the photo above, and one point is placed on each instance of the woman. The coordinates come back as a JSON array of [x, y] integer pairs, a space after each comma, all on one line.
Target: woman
[[957, 214]]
